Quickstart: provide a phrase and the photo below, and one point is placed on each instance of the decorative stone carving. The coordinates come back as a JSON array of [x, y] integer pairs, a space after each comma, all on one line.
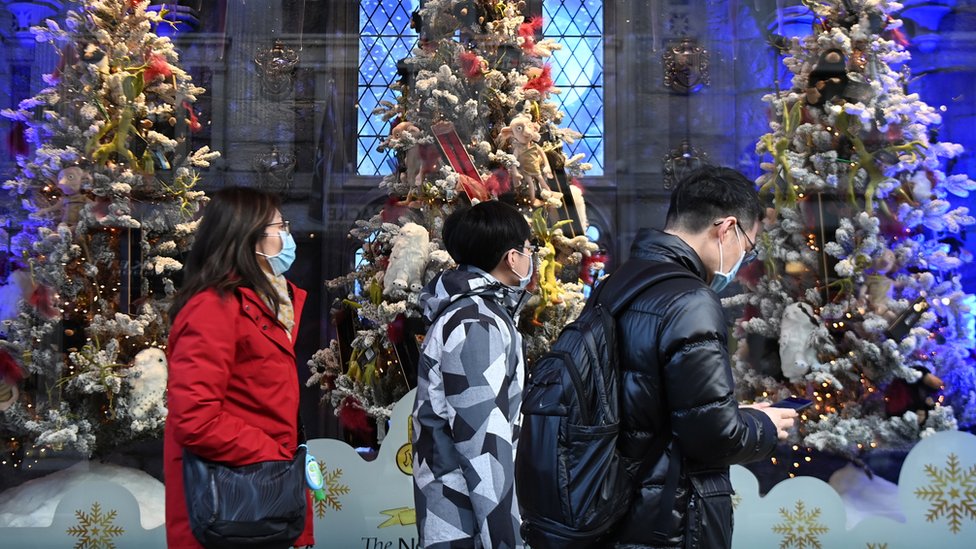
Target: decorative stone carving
[[686, 66]]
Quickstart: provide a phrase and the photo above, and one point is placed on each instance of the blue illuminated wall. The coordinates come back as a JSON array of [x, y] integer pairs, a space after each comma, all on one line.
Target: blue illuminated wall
[[944, 75]]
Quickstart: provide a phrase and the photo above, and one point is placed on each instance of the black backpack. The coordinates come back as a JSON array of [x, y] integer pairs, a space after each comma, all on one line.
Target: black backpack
[[572, 483]]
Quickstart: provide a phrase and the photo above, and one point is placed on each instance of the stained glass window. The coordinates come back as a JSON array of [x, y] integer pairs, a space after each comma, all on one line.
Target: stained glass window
[[577, 70], [385, 37]]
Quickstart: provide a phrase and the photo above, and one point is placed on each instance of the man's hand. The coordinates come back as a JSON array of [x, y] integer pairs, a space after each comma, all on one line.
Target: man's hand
[[783, 418]]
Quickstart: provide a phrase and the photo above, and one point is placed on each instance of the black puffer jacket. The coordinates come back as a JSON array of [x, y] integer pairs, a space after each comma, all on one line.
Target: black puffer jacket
[[676, 376]]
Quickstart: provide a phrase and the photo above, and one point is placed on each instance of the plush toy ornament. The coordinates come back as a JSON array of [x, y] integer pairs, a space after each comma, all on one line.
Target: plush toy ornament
[[407, 261], [918, 396], [798, 341], [828, 79], [533, 170], [147, 377], [419, 159], [411, 158], [71, 181]]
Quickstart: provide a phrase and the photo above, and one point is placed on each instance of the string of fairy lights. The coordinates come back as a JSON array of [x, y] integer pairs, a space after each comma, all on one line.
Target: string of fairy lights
[[15, 458], [827, 400], [18, 454]]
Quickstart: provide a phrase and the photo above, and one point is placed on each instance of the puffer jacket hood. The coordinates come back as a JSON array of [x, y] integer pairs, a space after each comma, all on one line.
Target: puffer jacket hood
[[466, 281]]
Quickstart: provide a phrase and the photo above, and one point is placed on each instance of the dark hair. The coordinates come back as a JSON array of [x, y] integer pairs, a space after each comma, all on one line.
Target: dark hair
[[222, 256], [482, 234], [711, 192]]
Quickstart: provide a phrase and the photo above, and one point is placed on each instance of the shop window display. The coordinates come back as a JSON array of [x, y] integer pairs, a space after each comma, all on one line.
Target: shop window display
[[314, 138]]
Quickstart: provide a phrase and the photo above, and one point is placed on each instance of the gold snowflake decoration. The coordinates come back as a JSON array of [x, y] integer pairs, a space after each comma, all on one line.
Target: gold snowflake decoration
[[333, 489], [95, 530], [952, 493], [801, 529]]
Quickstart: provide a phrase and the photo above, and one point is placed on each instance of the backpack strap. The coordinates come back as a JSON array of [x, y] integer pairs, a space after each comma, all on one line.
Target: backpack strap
[[633, 278], [668, 492]]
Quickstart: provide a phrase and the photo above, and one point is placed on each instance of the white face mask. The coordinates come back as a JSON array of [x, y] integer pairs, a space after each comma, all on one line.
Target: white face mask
[[525, 280], [720, 280]]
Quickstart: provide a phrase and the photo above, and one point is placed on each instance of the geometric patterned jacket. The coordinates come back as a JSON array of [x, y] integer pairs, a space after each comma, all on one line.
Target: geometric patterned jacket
[[466, 416]]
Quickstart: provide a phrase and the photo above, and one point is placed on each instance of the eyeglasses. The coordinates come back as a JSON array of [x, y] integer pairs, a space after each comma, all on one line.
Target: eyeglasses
[[532, 248], [752, 253], [285, 226]]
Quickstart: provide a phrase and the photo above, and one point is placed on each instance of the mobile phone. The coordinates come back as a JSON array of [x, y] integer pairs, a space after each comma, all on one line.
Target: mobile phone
[[796, 403]]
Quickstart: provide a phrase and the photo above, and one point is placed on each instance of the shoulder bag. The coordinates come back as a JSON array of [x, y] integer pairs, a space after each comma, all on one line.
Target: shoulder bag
[[258, 505]]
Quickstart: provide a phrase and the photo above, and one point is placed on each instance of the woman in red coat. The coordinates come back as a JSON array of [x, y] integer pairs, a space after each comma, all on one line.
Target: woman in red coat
[[233, 389]]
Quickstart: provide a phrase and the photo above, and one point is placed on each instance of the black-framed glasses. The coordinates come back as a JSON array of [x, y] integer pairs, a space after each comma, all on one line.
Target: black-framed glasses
[[752, 253], [533, 249], [285, 226]]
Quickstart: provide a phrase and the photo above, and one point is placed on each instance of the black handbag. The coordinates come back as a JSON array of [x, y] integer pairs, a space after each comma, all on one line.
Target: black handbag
[[258, 505]]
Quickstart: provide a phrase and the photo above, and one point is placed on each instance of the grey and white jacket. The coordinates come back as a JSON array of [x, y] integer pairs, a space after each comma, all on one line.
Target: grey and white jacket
[[466, 416]]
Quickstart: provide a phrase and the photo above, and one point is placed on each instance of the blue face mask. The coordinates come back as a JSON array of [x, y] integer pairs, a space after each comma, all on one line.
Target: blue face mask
[[281, 262], [720, 280]]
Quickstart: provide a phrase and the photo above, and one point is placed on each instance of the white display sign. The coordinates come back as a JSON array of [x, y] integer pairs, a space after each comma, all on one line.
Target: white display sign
[[369, 504]]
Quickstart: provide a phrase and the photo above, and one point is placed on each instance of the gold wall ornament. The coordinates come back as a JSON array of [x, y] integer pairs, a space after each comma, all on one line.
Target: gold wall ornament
[[680, 161], [685, 66], [276, 66]]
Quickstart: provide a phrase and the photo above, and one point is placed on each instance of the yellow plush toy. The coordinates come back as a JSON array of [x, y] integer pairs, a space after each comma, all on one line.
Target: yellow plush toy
[[549, 293]]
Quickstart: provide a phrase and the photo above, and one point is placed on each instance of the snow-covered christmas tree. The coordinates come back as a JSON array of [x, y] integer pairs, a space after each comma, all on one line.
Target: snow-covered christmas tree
[[108, 199], [473, 121], [857, 304]]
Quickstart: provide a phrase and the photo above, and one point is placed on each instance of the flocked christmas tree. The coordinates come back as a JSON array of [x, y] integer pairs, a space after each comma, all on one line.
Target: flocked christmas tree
[[858, 303], [473, 121], [108, 200]]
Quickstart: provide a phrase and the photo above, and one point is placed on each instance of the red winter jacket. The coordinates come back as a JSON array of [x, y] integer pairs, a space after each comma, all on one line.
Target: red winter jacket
[[232, 393]]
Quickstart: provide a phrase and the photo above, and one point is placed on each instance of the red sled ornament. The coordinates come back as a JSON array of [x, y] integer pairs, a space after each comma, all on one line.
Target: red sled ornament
[[457, 156]]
